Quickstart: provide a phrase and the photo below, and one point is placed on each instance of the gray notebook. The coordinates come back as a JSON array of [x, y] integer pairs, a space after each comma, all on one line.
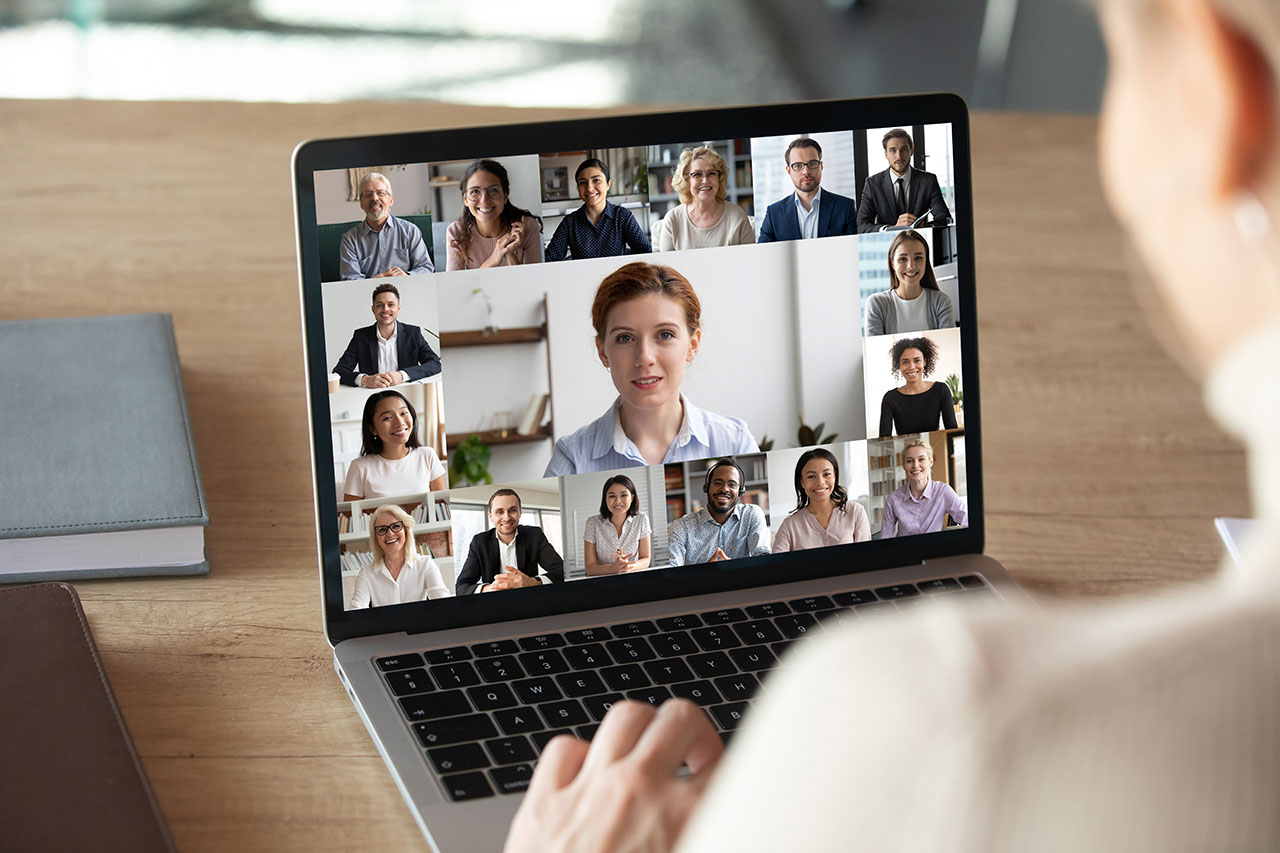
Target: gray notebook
[[98, 464]]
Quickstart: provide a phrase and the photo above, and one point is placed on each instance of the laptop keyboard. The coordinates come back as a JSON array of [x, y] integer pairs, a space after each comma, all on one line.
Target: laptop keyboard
[[482, 713]]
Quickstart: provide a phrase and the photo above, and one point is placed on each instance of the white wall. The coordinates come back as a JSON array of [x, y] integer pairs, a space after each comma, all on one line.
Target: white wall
[[348, 305], [769, 178], [880, 379], [852, 456], [408, 187]]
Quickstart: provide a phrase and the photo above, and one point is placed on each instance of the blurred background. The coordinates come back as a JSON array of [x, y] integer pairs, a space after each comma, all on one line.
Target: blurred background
[[1039, 55]]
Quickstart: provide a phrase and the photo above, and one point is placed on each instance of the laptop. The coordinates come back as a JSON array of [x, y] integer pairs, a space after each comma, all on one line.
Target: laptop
[[506, 549]]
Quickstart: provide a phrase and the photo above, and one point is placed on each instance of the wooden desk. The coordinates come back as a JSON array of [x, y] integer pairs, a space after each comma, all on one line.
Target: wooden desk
[[1103, 474]]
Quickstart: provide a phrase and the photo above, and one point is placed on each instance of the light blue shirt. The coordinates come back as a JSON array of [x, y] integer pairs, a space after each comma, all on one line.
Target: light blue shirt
[[808, 218], [363, 252], [602, 445], [694, 538]]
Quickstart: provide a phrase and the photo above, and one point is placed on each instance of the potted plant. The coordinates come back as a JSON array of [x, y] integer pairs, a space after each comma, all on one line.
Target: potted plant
[[469, 463], [957, 397]]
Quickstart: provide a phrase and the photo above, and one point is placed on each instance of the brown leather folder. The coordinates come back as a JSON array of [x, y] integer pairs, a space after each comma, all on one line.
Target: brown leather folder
[[69, 777]]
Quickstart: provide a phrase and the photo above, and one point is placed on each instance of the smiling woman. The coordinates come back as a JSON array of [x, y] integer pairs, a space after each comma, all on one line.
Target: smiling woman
[[918, 403], [491, 232], [393, 460], [703, 218], [913, 302], [398, 573], [824, 515]]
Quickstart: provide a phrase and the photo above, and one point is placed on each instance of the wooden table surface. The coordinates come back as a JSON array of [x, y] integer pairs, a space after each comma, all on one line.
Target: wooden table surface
[[1103, 472]]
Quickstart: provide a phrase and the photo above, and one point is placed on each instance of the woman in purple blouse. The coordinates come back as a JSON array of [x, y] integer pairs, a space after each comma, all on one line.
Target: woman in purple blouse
[[921, 504]]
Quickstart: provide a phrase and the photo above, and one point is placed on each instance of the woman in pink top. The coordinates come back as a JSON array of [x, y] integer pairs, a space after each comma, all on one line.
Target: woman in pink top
[[491, 232], [824, 515]]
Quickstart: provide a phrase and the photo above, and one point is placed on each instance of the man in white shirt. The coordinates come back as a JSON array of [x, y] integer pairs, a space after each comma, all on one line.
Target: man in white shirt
[[510, 555], [388, 352], [900, 195]]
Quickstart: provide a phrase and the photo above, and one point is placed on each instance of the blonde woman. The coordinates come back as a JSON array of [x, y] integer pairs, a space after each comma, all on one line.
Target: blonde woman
[[703, 218], [398, 573]]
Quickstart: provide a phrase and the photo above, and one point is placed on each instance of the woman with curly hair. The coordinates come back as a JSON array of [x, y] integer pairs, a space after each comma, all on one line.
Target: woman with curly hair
[[824, 514], [491, 232], [703, 218], [917, 404]]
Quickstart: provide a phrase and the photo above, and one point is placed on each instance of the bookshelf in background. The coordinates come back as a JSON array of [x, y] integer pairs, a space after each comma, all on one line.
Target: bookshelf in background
[[683, 482], [738, 184], [432, 527]]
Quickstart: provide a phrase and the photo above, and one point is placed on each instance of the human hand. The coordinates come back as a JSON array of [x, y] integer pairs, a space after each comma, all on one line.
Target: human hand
[[905, 219], [621, 792], [391, 271], [380, 380], [508, 577], [718, 556]]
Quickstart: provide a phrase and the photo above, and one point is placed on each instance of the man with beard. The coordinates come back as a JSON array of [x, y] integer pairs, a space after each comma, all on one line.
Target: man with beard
[[381, 245], [900, 195], [810, 211], [725, 529]]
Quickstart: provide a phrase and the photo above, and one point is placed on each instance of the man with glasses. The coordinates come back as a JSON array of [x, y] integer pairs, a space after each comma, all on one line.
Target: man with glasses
[[900, 196], [381, 245], [810, 211], [725, 529]]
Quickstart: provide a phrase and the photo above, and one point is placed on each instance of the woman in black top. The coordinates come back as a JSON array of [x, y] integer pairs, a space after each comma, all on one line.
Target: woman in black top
[[917, 405]]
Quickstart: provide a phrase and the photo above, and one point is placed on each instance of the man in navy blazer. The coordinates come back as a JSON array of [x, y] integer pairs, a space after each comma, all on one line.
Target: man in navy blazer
[[510, 555], [810, 211], [388, 352], [883, 206]]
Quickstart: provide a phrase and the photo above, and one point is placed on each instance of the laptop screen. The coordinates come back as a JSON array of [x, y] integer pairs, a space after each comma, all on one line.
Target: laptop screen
[[562, 365]]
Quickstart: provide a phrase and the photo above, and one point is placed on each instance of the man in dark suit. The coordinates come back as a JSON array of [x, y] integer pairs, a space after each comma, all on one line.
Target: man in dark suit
[[810, 211], [388, 352], [509, 556], [898, 196]]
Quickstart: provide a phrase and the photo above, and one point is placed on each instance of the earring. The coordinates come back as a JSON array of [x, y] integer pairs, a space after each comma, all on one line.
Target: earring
[[1252, 220]]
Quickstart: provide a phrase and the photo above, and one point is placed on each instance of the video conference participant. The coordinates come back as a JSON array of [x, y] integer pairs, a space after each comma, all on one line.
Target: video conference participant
[[901, 194], [702, 219], [388, 352], [913, 302], [810, 211], [917, 405], [648, 323], [600, 228], [491, 232], [618, 539], [381, 245], [393, 460], [824, 514], [921, 504], [398, 572], [725, 529], [510, 555]]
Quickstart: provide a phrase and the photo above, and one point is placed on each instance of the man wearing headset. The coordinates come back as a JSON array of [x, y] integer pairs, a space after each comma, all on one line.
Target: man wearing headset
[[725, 529]]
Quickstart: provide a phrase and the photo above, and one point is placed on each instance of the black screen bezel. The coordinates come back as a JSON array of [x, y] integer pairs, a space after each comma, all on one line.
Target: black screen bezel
[[617, 132]]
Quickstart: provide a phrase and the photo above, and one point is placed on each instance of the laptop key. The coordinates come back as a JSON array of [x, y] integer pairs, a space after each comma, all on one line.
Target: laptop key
[[576, 684], [971, 582], [541, 641], [598, 706], [796, 626], [495, 648], [455, 675], [655, 696], [711, 664], [509, 750], [873, 609], [716, 637], [454, 730], [566, 713], [503, 668], [518, 721], [465, 756], [409, 681], [730, 715], [668, 671], [532, 690], [849, 599], [632, 650], [587, 635], [513, 779], [812, 602], [753, 658], [701, 692], [679, 623], [628, 676], [587, 732], [939, 585], [779, 648], [675, 643], [541, 739], [467, 786], [399, 662], [590, 656], [758, 631], [639, 628], [737, 687], [453, 654], [432, 706], [490, 697], [547, 662], [766, 611], [724, 616], [901, 590]]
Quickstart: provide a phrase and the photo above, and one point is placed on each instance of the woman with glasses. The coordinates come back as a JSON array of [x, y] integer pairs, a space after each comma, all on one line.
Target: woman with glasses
[[703, 218], [393, 460], [398, 573], [491, 232]]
